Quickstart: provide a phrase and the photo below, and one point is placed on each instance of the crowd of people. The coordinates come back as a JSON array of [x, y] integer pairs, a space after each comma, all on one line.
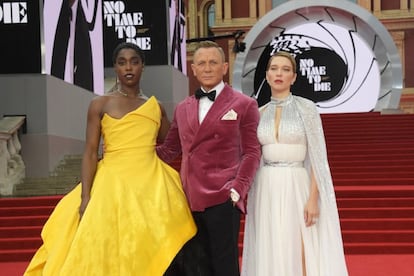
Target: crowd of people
[[133, 214]]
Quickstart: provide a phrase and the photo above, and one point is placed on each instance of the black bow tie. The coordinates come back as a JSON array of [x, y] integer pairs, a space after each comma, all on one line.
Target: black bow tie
[[211, 95]]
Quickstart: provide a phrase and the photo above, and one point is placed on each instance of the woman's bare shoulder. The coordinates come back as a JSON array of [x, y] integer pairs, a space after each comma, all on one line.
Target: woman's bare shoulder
[[99, 103]]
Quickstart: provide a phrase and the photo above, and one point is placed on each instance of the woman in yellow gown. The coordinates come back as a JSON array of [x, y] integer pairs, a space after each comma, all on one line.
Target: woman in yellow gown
[[129, 215]]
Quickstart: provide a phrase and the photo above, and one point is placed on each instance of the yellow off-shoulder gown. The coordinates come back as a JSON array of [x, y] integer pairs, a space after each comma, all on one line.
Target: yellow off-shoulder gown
[[137, 218]]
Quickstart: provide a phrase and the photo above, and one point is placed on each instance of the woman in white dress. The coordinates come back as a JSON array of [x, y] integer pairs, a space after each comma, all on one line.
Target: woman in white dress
[[292, 223]]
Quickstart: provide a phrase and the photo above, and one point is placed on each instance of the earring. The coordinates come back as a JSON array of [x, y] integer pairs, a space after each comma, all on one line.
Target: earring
[[117, 84]]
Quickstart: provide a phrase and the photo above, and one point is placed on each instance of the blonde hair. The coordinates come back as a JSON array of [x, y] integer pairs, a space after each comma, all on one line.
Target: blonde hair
[[282, 54]]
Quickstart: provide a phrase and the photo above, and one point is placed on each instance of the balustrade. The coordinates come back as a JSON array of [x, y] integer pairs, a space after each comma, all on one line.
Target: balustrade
[[12, 168]]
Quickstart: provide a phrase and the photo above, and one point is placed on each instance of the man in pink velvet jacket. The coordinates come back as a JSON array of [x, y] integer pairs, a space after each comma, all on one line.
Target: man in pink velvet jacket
[[215, 132]]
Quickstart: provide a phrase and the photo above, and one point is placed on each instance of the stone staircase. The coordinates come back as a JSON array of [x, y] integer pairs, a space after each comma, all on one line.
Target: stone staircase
[[64, 177]]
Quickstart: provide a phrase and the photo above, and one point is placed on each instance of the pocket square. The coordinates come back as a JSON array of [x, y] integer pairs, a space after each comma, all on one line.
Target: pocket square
[[231, 115]]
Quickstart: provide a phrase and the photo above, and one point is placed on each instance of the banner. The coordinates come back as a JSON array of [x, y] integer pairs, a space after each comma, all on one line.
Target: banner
[[73, 42], [20, 43], [143, 23], [178, 50]]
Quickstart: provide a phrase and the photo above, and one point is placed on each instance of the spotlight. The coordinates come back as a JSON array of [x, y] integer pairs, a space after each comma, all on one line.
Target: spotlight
[[237, 34], [239, 46]]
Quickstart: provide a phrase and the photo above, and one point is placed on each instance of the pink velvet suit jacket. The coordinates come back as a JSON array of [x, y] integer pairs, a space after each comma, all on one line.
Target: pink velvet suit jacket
[[217, 154]]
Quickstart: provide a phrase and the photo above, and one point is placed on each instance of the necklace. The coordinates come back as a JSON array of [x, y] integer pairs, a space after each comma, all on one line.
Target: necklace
[[281, 102], [126, 95]]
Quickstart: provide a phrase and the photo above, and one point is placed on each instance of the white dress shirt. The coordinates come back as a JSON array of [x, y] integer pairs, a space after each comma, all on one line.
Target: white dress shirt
[[205, 104]]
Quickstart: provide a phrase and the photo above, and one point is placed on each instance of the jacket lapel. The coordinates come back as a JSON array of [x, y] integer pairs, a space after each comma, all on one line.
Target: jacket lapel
[[218, 109], [192, 114]]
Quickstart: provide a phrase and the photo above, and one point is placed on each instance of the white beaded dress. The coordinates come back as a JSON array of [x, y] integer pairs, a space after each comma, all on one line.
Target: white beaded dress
[[275, 226]]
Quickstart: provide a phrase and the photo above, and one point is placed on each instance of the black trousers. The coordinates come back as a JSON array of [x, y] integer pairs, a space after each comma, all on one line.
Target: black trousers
[[213, 251]]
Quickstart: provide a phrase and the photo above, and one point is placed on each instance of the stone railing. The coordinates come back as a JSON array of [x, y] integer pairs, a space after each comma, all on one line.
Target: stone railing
[[12, 169]]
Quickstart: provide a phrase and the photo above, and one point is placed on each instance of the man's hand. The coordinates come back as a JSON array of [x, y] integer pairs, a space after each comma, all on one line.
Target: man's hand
[[234, 195]]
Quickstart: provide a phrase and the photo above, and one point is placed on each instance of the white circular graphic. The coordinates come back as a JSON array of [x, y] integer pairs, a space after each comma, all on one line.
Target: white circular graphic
[[344, 63]]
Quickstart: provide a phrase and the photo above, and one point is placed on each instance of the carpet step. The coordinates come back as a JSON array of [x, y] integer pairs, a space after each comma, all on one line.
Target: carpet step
[[375, 181], [24, 211], [362, 116], [401, 127], [364, 123], [367, 146], [349, 141], [16, 255], [382, 162], [407, 156], [378, 132], [356, 236], [338, 120], [375, 202], [20, 231], [386, 191], [394, 224], [401, 168], [369, 152], [377, 212], [371, 118], [34, 220], [379, 121], [20, 243], [363, 136], [379, 248], [29, 201], [383, 175]]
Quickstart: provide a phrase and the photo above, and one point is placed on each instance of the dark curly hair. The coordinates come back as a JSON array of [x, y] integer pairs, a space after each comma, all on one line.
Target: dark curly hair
[[128, 45]]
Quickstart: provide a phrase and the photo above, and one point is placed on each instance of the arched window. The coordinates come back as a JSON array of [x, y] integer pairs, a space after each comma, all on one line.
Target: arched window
[[278, 2], [211, 15]]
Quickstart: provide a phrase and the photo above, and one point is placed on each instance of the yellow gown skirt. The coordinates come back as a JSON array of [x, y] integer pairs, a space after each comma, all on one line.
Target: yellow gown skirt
[[137, 218]]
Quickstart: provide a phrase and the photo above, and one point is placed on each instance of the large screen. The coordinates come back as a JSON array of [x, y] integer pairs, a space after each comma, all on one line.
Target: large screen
[[20, 31], [178, 51], [141, 22], [73, 42]]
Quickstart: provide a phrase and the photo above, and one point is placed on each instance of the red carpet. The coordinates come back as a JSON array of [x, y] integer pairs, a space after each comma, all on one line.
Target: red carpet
[[371, 157], [372, 163], [358, 265]]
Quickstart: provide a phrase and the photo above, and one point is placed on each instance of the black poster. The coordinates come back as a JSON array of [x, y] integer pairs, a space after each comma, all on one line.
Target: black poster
[[20, 37], [141, 22]]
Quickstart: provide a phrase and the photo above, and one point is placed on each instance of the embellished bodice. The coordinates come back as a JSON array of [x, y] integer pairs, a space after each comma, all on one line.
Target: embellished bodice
[[290, 143], [291, 129]]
